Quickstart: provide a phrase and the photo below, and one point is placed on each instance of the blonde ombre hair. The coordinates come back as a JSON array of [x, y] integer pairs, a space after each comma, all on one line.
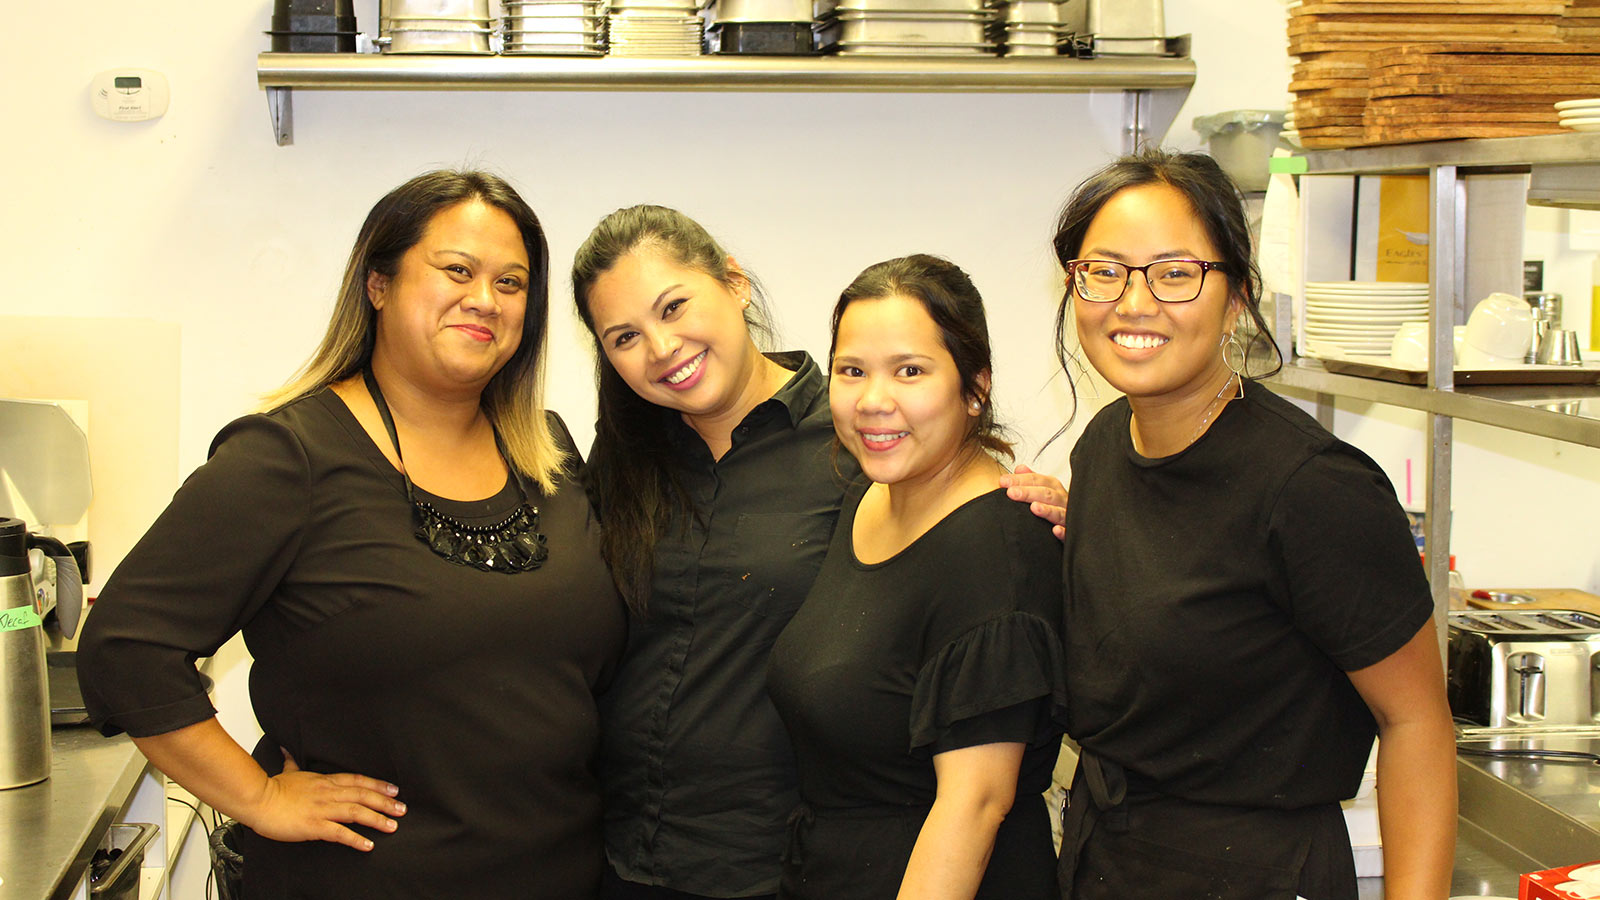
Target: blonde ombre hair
[[514, 397]]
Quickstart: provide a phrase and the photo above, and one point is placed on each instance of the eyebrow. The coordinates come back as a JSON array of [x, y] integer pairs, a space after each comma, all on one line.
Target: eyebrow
[[898, 358], [1114, 256], [659, 298], [473, 259]]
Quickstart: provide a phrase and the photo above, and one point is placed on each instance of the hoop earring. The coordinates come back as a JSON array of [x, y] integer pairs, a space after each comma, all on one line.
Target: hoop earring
[[1232, 348]]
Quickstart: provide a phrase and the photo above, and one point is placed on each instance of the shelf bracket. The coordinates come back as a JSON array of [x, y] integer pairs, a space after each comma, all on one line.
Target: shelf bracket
[[1147, 115], [280, 106]]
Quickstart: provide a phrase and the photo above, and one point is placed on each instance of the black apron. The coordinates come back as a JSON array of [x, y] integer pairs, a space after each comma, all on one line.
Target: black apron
[[1122, 838]]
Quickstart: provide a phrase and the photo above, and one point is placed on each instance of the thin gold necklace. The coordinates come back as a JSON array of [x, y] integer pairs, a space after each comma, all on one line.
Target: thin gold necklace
[[1212, 409]]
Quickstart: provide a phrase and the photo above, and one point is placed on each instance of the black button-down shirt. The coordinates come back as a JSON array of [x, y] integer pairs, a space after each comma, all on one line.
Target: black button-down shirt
[[698, 774]]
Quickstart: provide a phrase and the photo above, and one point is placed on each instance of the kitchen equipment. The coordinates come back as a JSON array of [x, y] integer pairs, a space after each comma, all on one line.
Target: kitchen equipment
[[434, 26], [24, 686], [1524, 667], [1500, 328], [1546, 316], [1128, 27], [313, 26], [552, 27], [114, 870], [770, 27], [1559, 348]]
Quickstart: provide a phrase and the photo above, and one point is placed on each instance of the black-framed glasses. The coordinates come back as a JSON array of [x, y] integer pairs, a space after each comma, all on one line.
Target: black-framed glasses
[[1170, 280]]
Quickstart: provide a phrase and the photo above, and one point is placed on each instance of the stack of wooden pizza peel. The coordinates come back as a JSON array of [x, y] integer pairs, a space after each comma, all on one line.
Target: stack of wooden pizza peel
[[1398, 71]]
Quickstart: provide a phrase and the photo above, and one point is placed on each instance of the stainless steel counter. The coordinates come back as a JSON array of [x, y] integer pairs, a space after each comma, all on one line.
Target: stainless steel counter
[[49, 830]]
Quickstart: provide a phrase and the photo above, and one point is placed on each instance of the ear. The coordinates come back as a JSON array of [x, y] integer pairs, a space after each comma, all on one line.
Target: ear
[[741, 281], [982, 396], [1236, 311], [377, 287]]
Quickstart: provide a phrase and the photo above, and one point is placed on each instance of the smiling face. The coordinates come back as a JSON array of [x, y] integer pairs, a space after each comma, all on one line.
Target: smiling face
[[676, 335], [1147, 349], [452, 313], [896, 394]]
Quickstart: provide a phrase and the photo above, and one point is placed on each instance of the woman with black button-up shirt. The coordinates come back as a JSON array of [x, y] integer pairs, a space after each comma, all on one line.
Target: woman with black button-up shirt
[[716, 478]]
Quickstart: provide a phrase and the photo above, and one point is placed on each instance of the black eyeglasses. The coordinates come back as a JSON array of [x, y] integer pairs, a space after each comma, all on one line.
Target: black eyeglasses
[[1170, 280]]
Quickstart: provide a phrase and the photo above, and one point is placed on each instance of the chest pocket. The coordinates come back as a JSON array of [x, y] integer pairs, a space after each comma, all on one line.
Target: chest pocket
[[782, 554]]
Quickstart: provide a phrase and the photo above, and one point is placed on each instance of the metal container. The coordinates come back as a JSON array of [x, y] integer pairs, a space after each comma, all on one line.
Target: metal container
[[763, 38], [762, 11], [1524, 667], [823, 7], [24, 686], [1034, 12], [1128, 27], [855, 28], [434, 9], [114, 870]]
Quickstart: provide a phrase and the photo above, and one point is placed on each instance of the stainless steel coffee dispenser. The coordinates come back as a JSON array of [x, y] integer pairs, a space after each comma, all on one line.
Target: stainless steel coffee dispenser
[[24, 690]]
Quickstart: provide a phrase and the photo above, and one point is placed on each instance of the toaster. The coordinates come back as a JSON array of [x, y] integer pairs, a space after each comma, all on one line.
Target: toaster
[[1524, 667]]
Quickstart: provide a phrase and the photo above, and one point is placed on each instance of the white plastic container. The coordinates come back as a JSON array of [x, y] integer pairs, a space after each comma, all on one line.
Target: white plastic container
[[1241, 141]]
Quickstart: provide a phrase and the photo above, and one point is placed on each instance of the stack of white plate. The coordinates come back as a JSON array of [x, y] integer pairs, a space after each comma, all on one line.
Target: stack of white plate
[[654, 28], [1580, 115], [1290, 134], [1358, 318], [905, 27], [553, 27]]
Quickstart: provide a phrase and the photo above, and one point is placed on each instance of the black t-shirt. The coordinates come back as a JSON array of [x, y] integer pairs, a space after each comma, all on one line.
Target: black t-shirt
[[948, 644], [472, 691], [1216, 598], [699, 777]]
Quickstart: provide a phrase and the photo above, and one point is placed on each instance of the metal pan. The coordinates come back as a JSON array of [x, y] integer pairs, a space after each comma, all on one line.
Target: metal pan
[[426, 9], [464, 42], [762, 10], [909, 31]]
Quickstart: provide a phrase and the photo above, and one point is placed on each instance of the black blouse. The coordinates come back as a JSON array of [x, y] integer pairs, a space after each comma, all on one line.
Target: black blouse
[[471, 691], [948, 644], [698, 772]]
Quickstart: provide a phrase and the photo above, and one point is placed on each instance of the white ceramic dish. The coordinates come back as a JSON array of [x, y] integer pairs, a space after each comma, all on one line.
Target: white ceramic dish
[[1585, 126], [1579, 104], [1380, 286]]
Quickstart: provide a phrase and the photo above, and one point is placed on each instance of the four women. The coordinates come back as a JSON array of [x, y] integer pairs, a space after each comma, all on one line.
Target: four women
[[431, 630]]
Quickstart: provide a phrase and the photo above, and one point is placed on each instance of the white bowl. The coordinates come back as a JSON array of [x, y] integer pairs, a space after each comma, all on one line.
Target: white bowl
[[1501, 325]]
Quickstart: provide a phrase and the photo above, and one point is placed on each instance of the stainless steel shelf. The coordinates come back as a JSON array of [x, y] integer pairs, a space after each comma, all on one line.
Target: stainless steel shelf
[[1563, 412], [1156, 86], [350, 71], [1505, 154]]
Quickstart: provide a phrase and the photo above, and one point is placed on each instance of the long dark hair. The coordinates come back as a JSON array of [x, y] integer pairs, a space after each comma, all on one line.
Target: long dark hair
[[632, 473], [956, 308], [514, 397], [1216, 202]]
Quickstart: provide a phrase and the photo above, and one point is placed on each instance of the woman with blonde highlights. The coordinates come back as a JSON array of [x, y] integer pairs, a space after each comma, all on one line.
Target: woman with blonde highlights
[[400, 540]]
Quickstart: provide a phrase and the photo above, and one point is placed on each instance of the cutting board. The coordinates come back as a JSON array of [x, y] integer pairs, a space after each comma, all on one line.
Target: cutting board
[[1544, 598]]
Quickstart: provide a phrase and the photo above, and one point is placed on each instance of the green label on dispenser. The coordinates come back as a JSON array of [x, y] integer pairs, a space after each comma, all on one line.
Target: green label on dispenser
[[18, 619]]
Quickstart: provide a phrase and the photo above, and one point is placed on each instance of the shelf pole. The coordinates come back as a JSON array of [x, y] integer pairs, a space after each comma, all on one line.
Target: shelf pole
[[1446, 261], [280, 106]]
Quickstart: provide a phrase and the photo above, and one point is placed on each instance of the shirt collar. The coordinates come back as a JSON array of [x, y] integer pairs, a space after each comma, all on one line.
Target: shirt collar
[[803, 387]]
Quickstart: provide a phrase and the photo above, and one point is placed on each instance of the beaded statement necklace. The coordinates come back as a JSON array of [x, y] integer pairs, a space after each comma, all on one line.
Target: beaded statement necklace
[[512, 545]]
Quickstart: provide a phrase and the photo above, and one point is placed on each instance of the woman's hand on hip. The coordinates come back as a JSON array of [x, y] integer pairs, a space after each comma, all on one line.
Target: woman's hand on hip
[[297, 805], [1045, 495], [292, 806]]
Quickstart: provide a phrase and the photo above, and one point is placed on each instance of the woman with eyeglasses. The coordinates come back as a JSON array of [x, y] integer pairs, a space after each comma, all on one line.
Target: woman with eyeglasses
[[1244, 606]]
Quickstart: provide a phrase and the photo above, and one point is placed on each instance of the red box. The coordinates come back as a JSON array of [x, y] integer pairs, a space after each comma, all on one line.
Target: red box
[[1545, 885]]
